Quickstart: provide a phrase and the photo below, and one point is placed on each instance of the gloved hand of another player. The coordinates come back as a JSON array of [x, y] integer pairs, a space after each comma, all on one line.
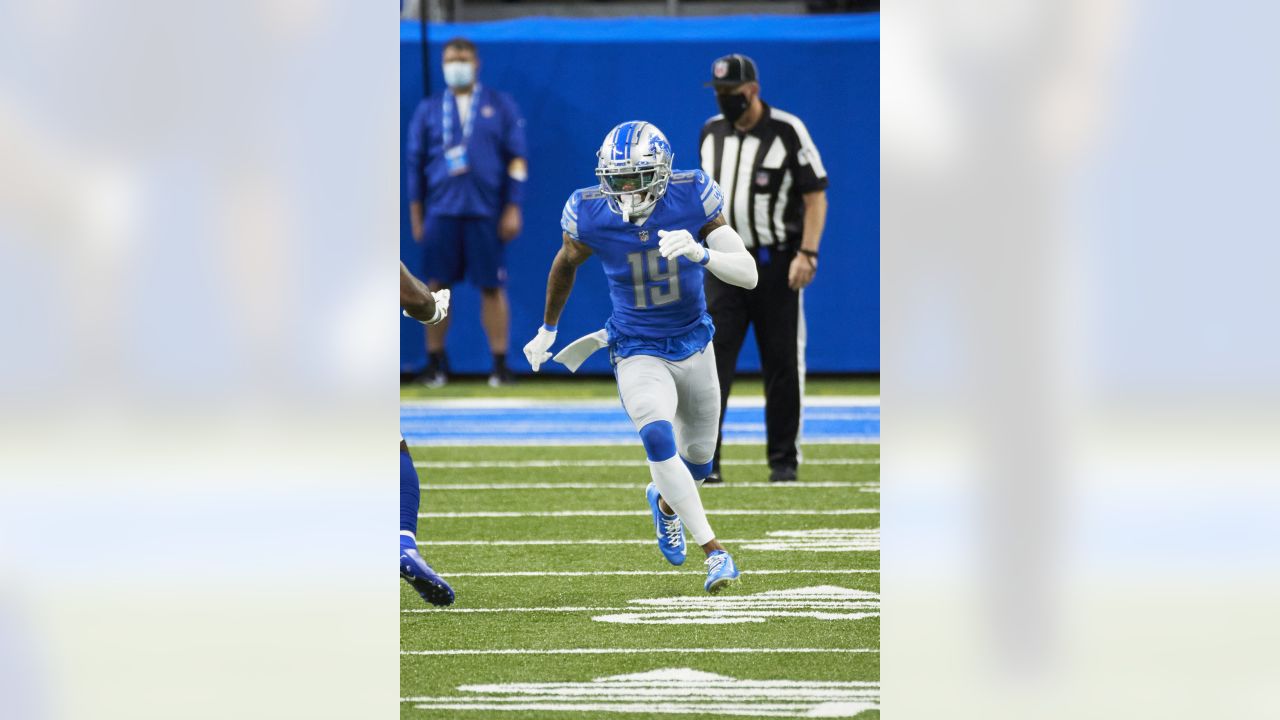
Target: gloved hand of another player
[[536, 351], [678, 243], [442, 306]]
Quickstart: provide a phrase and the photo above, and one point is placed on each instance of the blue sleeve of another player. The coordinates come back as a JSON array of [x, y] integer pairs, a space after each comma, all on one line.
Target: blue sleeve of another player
[[709, 195], [569, 218]]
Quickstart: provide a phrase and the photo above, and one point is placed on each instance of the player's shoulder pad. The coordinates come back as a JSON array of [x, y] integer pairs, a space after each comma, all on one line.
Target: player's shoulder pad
[[684, 176], [571, 218], [709, 194]]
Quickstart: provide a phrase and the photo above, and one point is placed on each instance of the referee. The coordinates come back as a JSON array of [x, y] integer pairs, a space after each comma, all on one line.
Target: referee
[[775, 198]]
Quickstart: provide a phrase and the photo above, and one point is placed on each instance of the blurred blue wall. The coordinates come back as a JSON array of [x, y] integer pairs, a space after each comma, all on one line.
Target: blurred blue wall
[[575, 79]]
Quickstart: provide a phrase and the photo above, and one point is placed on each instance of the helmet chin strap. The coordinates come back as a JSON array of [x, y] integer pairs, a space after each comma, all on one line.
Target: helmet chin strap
[[627, 202]]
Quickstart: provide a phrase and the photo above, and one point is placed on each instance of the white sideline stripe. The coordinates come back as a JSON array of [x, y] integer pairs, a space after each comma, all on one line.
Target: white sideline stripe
[[630, 486], [462, 465], [590, 541], [553, 404], [593, 573], [640, 513], [507, 441], [638, 651], [514, 609]]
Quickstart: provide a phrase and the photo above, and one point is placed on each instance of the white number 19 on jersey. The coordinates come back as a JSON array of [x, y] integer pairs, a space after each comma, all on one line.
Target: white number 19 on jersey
[[657, 295]]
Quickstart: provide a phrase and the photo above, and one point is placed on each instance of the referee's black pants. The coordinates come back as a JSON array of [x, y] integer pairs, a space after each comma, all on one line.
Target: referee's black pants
[[775, 311]]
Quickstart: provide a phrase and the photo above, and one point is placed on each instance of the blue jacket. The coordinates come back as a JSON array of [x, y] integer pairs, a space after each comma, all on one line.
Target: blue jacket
[[497, 136]]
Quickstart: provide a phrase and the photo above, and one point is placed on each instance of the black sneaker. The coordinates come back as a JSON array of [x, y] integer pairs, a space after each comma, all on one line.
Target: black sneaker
[[782, 474], [713, 479], [501, 378]]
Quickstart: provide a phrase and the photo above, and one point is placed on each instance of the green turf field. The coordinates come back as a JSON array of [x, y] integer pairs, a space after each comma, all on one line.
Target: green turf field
[[578, 388], [619, 574]]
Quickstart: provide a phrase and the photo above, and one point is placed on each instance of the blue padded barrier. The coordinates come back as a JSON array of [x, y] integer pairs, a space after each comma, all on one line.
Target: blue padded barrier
[[576, 78]]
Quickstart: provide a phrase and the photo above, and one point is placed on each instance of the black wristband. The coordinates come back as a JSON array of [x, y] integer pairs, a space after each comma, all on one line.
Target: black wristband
[[811, 253]]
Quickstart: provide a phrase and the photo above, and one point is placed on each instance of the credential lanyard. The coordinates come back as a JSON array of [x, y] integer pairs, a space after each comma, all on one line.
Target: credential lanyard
[[446, 118]]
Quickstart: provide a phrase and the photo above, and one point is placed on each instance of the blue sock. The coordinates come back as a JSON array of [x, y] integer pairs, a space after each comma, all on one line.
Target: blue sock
[[699, 472], [409, 499]]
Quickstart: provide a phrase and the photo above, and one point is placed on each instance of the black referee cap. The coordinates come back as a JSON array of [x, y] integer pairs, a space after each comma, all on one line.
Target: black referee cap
[[732, 70]]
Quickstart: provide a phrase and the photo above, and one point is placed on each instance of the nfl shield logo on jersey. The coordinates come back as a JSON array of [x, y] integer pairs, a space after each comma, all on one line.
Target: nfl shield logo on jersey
[[762, 178], [644, 236]]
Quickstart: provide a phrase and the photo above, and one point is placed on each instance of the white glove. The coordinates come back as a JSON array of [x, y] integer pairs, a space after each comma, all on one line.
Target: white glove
[[679, 243], [442, 306], [536, 349]]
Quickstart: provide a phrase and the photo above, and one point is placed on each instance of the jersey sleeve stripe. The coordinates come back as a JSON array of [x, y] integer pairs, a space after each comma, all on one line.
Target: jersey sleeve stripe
[[808, 151], [711, 205], [569, 218]]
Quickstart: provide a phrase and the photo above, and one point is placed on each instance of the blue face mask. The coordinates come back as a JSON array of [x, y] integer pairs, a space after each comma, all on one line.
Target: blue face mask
[[459, 74]]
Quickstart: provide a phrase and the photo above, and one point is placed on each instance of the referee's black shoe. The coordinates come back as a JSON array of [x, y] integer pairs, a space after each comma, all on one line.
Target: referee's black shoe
[[782, 474]]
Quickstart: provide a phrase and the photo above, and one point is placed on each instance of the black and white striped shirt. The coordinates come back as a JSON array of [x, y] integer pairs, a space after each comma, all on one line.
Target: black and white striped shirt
[[763, 173]]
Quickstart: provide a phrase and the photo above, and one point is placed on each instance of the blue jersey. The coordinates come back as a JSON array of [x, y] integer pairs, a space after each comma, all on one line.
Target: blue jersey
[[492, 138], [658, 305]]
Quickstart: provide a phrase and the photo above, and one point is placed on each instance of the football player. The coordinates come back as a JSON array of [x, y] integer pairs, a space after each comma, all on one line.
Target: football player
[[656, 231], [430, 308]]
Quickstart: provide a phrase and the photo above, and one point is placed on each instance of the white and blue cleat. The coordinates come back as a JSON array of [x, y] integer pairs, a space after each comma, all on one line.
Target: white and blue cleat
[[722, 571], [419, 574], [669, 529]]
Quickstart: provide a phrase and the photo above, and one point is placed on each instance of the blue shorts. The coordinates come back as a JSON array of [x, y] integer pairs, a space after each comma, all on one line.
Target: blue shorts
[[674, 348], [464, 246]]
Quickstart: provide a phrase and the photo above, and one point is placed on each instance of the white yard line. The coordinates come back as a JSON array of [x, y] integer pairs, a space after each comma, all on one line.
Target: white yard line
[[594, 573], [866, 486], [638, 513], [555, 404], [507, 441], [638, 651], [592, 541], [514, 609], [464, 465]]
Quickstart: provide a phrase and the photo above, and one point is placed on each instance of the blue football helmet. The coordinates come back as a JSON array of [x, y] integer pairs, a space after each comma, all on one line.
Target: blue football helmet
[[634, 165]]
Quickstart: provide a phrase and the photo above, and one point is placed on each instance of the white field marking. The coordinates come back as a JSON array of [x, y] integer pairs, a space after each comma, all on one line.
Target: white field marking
[[506, 609], [641, 651], [754, 709], [861, 487], [639, 513], [494, 441], [597, 541], [594, 573], [553, 404], [668, 691], [824, 540], [463, 464], [821, 602]]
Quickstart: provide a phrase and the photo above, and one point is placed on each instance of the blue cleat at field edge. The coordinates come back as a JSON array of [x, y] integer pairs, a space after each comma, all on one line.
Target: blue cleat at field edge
[[722, 571], [423, 579]]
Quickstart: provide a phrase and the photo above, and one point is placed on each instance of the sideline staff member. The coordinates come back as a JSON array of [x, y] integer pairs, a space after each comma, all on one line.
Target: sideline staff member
[[775, 198], [466, 159]]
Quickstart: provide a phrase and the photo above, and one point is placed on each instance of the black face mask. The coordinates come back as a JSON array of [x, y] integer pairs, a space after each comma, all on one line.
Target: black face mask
[[733, 106]]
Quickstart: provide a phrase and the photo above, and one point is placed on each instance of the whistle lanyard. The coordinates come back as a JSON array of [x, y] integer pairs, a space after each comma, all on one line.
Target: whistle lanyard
[[446, 117]]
